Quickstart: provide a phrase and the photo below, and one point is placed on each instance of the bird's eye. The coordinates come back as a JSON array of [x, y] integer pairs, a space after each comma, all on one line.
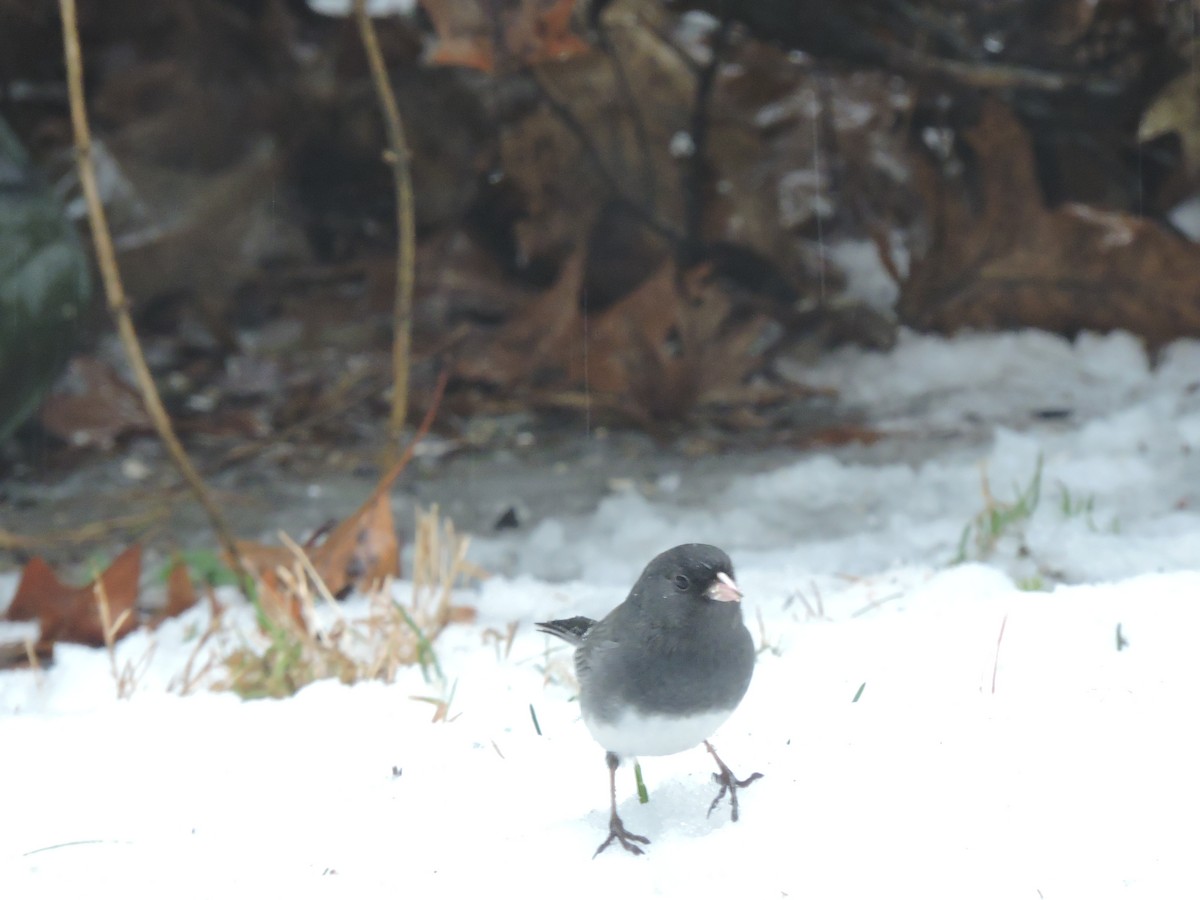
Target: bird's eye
[[681, 582]]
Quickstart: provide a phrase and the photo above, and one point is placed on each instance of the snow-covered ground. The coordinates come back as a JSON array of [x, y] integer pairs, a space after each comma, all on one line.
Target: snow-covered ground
[[1025, 723]]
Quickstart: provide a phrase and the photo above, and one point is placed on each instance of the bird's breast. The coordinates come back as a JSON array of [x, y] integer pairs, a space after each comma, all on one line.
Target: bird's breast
[[633, 733]]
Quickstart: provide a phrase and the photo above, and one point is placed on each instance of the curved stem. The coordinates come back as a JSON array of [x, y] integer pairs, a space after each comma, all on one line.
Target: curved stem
[[118, 302]]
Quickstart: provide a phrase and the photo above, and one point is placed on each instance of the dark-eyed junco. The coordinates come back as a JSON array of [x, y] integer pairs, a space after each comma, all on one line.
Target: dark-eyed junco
[[661, 672]]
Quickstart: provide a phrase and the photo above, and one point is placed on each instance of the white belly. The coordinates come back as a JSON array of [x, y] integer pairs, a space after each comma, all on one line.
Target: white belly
[[637, 735]]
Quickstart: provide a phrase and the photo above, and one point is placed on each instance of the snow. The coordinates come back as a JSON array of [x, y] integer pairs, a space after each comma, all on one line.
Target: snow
[[1005, 742]]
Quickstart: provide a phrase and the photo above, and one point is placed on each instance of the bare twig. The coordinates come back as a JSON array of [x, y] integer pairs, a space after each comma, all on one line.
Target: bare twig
[[189, 680], [114, 290], [398, 157], [385, 483], [996, 661]]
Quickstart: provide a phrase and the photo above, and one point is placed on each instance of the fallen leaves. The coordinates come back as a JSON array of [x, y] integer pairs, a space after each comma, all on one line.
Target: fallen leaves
[[491, 36], [675, 341], [93, 406], [1007, 260], [73, 614], [360, 550]]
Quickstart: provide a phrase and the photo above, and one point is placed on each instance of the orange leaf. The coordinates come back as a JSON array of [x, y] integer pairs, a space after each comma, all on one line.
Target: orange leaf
[[361, 549], [181, 595], [263, 557], [529, 32], [71, 614], [279, 603]]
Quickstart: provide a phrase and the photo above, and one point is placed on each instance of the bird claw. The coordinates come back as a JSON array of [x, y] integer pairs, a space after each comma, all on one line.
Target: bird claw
[[728, 782], [729, 785], [618, 832]]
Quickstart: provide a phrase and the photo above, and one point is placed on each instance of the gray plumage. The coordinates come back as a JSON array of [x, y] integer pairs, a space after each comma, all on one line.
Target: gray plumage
[[663, 670], [664, 651]]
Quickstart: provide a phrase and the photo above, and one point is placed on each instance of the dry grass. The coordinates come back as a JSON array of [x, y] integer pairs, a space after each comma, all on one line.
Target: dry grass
[[309, 637], [195, 673], [125, 674]]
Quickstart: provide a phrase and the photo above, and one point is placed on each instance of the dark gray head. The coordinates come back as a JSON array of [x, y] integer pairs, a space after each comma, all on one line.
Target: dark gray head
[[701, 573]]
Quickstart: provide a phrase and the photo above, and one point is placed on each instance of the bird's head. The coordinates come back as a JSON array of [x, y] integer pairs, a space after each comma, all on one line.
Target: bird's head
[[699, 572]]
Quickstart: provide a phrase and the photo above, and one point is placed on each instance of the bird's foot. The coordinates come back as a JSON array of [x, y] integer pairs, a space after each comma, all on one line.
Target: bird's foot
[[617, 832], [729, 784]]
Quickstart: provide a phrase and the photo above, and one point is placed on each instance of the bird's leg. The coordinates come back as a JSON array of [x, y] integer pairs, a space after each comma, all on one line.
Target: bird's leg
[[729, 784], [616, 828]]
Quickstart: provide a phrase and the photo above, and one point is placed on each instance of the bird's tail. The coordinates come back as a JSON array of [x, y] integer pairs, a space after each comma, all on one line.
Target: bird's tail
[[572, 630]]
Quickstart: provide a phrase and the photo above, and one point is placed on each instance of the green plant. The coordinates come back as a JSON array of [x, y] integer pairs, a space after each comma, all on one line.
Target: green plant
[[1074, 507], [643, 794], [999, 518], [205, 565]]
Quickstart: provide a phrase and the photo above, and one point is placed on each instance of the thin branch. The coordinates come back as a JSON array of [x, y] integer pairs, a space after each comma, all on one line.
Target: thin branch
[[114, 291], [398, 156], [385, 483]]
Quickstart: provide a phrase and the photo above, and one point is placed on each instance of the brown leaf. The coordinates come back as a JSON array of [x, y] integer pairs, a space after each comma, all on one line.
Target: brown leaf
[[181, 594], [279, 603], [359, 551], [263, 557], [530, 31], [362, 549], [71, 614], [93, 406], [529, 348], [1007, 261], [670, 343]]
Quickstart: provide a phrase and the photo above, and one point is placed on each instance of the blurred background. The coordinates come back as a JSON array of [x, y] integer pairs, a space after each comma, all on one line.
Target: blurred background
[[637, 222]]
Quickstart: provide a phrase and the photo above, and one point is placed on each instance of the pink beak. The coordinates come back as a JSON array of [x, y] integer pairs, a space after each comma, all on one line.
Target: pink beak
[[724, 589]]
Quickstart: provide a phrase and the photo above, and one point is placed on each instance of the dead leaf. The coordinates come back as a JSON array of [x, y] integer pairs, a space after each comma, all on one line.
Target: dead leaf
[[93, 406], [669, 344], [529, 31], [279, 603], [362, 549], [71, 614], [1007, 261], [181, 594]]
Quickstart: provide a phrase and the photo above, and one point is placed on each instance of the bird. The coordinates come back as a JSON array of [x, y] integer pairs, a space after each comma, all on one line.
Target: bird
[[662, 671]]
